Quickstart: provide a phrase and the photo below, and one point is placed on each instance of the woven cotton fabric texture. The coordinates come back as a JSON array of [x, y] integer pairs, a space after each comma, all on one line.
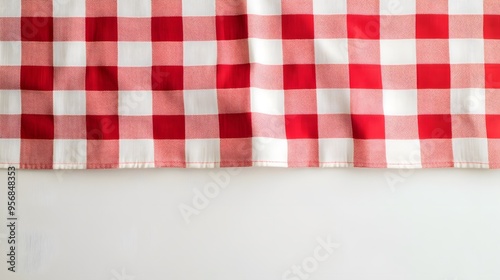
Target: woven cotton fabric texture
[[230, 83]]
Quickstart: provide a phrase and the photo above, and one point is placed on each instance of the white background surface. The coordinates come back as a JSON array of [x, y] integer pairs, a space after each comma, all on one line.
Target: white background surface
[[126, 224]]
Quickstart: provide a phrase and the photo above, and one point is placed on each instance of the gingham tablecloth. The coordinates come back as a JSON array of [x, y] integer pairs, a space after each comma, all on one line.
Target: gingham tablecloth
[[222, 83]]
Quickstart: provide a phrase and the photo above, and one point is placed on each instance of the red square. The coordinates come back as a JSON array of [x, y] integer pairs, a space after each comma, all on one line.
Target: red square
[[37, 126], [37, 29], [233, 76], [167, 78], [267, 76], [101, 78], [100, 127], [169, 127], [70, 127], [303, 153], [101, 53], [297, 26], [301, 126], [468, 126], [436, 153], [401, 127], [37, 78], [133, 29], [103, 154], [367, 76], [272, 126], [168, 102], [202, 126], [368, 126], [230, 101], [493, 126], [37, 153], [232, 27], [167, 53], [492, 73], [491, 26], [37, 53], [235, 125], [166, 29], [330, 26], [69, 29], [264, 27], [332, 75], [494, 152], [40, 8], [101, 102], [302, 101], [134, 78], [299, 76], [170, 153], [101, 29], [298, 52], [99, 8], [296, 6], [233, 52], [430, 26], [236, 152], [434, 126], [9, 126], [433, 76], [334, 126], [37, 102], [11, 29], [366, 102], [201, 28], [206, 77], [369, 153], [363, 27], [136, 127]]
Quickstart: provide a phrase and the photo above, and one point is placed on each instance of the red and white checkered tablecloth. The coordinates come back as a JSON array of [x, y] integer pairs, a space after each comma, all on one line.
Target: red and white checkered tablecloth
[[226, 83]]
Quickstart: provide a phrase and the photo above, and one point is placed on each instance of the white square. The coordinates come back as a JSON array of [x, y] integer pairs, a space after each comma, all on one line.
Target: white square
[[71, 102], [398, 52], [400, 102], [10, 152], [69, 8], [135, 54], [336, 152], [70, 154], [329, 7], [137, 153], [10, 102], [198, 7], [333, 101], [331, 51], [270, 152], [10, 8], [198, 53], [263, 51], [464, 51], [10, 53], [468, 101], [470, 152], [464, 7], [134, 8], [69, 53], [135, 103], [265, 101], [264, 7], [202, 153], [398, 7], [200, 102], [403, 154]]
